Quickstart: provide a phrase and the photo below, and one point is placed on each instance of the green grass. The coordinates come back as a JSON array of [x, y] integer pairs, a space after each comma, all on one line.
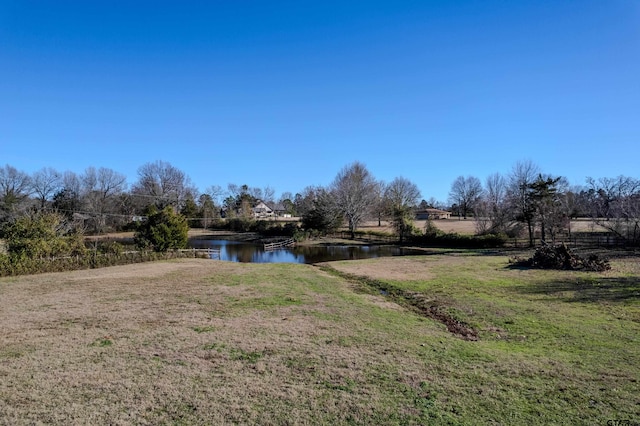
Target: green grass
[[555, 346]]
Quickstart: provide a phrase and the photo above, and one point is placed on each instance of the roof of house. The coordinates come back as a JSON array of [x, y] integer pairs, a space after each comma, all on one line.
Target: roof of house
[[432, 210]]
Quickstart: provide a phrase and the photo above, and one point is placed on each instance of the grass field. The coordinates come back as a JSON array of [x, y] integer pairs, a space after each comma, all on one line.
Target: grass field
[[210, 342]]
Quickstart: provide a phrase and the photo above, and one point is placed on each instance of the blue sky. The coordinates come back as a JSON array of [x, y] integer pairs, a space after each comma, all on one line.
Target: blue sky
[[286, 93]]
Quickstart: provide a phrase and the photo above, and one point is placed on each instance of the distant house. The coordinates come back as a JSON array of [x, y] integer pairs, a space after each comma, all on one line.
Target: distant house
[[432, 214], [261, 209], [279, 210]]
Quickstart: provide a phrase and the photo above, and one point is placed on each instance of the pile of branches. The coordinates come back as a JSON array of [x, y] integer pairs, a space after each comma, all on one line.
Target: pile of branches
[[559, 256]]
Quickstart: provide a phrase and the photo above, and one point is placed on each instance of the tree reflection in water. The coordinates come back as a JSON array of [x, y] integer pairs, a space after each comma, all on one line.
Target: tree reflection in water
[[236, 251]]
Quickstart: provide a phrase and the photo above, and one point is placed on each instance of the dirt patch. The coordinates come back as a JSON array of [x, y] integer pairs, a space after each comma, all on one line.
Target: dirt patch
[[387, 268]]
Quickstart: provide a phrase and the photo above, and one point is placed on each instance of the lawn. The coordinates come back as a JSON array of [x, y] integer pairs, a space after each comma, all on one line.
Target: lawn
[[209, 342]]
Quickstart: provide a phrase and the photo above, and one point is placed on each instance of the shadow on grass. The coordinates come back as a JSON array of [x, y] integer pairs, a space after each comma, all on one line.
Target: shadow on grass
[[602, 289]]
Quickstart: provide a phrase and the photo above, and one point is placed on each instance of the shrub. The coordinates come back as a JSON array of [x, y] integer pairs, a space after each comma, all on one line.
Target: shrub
[[162, 230], [42, 235]]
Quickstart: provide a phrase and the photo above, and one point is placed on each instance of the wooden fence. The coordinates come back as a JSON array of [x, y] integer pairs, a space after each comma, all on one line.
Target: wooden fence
[[280, 244], [577, 239]]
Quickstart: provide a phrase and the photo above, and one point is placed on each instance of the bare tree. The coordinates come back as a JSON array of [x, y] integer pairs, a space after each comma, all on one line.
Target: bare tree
[[207, 209], [215, 192], [615, 205], [162, 184], [256, 193], [465, 193], [380, 209], [354, 190], [45, 183], [492, 215], [268, 194], [519, 194], [71, 182], [100, 187], [14, 191], [401, 196]]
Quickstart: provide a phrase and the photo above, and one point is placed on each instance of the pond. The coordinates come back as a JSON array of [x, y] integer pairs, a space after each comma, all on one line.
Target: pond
[[246, 252]]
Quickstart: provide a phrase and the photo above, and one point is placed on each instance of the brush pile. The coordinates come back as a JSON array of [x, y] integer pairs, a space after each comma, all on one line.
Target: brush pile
[[559, 256]]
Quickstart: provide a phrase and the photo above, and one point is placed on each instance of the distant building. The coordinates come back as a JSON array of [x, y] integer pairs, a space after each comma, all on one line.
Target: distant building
[[432, 214], [261, 209]]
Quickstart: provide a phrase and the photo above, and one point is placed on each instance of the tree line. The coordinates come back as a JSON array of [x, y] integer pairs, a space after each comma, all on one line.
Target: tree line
[[530, 201], [523, 201]]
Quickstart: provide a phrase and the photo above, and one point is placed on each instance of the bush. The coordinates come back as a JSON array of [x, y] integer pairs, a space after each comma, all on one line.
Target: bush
[[162, 230], [42, 235]]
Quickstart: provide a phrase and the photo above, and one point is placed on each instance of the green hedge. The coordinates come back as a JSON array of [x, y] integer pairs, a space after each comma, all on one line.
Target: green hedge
[[11, 265]]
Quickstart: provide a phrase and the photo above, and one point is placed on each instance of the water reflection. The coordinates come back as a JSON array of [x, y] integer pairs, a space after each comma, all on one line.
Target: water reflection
[[237, 251]]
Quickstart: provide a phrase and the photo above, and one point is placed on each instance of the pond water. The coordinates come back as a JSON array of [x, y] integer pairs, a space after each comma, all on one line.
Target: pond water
[[240, 251]]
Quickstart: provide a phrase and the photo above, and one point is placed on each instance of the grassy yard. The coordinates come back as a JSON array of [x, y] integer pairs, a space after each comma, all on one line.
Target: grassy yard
[[209, 342]]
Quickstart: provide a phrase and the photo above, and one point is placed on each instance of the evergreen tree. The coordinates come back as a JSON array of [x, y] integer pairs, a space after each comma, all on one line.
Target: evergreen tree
[[162, 230]]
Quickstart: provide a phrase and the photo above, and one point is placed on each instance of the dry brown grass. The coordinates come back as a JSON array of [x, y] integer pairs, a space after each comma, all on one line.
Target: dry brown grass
[[390, 268], [185, 341]]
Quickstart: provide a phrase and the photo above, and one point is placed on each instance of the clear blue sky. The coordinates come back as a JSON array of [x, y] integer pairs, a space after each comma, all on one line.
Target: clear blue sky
[[286, 93]]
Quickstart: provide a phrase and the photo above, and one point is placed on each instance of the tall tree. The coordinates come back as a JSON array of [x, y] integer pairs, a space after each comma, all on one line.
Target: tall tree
[[546, 199], [190, 211], [100, 187], [492, 213], [316, 207], [401, 196], [286, 201], [67, 199], [207, 210], [215, 193], [615, 205], [162, 184], [519, 193], [465, 193], [380, 206], [354, 191], [14, 191], [45, 183], [240, 201]]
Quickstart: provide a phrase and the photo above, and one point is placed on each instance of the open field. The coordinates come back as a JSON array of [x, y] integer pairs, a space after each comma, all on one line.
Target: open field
[[210, 342], [468, 226]]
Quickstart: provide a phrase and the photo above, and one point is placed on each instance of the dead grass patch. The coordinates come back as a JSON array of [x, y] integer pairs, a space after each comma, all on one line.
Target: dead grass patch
[[388, 268]]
